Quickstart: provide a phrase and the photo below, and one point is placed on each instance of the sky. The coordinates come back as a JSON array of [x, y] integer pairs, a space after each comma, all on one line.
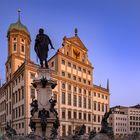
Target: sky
[[110, 29]]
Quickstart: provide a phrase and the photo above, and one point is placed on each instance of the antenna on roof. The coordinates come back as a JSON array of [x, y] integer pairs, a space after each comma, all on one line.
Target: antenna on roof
[[76, 31], [19, 14]]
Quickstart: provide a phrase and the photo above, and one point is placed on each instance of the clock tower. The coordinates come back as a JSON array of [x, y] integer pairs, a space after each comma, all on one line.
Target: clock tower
[[18, 47]]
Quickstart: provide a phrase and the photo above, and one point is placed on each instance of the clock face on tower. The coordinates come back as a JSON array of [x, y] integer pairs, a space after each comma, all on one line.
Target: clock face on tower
[[76, 53]]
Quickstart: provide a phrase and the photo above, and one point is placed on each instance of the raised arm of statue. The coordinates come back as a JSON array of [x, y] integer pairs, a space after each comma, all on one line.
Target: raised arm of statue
[[50, 43]]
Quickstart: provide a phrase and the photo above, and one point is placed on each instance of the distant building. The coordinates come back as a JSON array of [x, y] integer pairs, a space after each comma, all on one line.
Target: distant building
[[125, 120], [118, 121], [79, 101]]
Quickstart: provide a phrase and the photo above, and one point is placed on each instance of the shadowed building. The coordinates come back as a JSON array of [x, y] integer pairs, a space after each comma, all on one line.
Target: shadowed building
[[79, 101]]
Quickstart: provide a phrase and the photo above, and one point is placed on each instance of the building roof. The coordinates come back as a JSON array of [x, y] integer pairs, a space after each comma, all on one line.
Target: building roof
[[18, 26]]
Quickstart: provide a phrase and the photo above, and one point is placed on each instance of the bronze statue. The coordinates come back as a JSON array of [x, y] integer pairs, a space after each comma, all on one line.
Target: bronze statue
[[41, 47]]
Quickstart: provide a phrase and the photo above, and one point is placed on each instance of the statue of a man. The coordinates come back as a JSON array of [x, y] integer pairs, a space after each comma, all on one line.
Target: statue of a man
[[41, 47]]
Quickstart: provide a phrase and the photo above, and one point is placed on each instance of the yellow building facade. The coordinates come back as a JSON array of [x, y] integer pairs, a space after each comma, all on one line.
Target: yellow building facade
[[79, 101]]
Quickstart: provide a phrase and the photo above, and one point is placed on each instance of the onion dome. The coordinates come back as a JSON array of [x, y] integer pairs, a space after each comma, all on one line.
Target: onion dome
[[18, 26]]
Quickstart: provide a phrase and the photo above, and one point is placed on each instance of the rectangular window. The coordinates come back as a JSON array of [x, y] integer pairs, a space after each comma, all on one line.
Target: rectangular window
[[89, 117], [74, 89], [69, 64], [74, 100], [84, 81], [63, 114], [69, 75], [84, 70], [22, 48], [85, 102], [85, 116], [63, 62], [80, 101], [63, 85], [69, 114], [79, 79], [69, 99], [98, 106], [75, 115], [74, 66], [74, 77], [63, 97], [80, 115], [94, 105], [89, 103], [98, 118], [63, 73], [102, 107], [69, 87], [15, 46], [79, 68]]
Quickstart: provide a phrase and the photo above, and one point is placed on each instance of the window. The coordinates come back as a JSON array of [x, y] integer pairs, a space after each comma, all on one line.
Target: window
[[98, 118], [80, 115], [85, 117], [99, 95], [89, 103], [74, 66], [69, 99], [89, 72], [69, 64], [84, 80], [69, 75], [63, 62], [63, 97], [63, 85], [94, 118], [102, 107], [80, 90], [106, 97], [95, 94], [74, 100], [74, 77], [63, 114], [84, 70], [94, 105], [63, 130], [75, 115], [74, 89], [22, 48], [52, 64], [89, 117], [84, 91], [15, 47], [69, 87], [88, 82], [98, 106], [85, 102], [80, 101], [102, 96], [14, 38], [79, 68], [79, 79], [63, 73], [69, 114], [22, 93]]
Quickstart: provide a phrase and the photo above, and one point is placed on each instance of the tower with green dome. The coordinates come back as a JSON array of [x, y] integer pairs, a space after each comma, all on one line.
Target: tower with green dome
[[18, 46]]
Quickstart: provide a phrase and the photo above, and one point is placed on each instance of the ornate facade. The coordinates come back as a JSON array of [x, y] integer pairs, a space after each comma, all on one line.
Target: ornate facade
[[79, 101]]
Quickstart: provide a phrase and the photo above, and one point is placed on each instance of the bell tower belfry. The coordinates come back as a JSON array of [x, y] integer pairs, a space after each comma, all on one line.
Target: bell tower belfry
[[18, 47]]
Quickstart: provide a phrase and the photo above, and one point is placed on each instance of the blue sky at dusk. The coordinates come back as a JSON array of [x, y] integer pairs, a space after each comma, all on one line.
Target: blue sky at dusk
[[110, 29]]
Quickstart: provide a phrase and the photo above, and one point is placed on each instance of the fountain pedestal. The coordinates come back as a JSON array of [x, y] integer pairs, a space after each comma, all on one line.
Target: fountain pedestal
[[43, 118]]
